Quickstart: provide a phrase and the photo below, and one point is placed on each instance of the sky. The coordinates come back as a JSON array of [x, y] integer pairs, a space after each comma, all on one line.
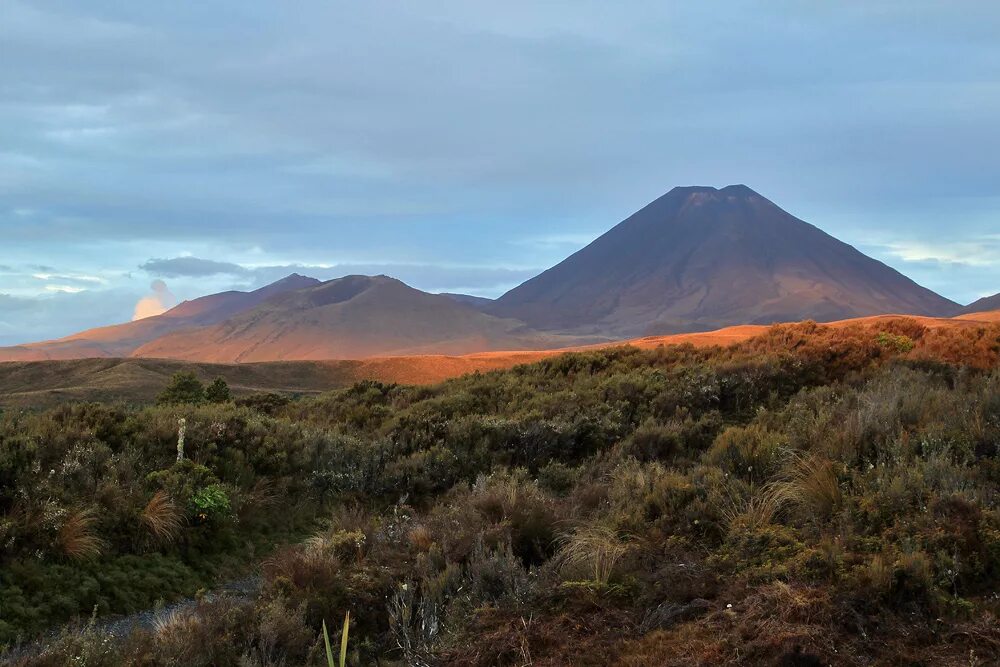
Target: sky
[[154, 152]]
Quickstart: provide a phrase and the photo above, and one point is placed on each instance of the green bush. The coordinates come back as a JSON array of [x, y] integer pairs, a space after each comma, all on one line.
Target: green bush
[[184, 387], [210, 501], [752, 453], [218, 391]]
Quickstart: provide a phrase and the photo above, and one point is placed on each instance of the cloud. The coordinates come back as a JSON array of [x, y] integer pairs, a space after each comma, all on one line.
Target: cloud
[[66, 289], [56, 314], [191, 267], [75, 278], [157, 302], [568, 240], [983, 252], [487, 280]]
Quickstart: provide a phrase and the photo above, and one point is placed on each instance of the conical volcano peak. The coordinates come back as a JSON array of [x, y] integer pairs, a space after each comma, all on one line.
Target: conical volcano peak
[[701, 258], [735, 190], [738, 190], [701, 194]]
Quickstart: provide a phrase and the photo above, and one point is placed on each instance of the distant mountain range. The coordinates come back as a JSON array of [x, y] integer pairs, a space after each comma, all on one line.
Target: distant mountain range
[[350, 318], [301, 318], [696, 259]]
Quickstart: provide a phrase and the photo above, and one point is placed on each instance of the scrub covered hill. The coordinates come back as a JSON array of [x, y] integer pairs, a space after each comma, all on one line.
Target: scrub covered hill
[[813, 495], [39, 384]]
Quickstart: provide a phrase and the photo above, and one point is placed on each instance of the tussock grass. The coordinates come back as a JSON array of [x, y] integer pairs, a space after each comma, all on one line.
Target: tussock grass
[[78, 538], [755, 510], [594, 549], [162, 518], [812, 483]]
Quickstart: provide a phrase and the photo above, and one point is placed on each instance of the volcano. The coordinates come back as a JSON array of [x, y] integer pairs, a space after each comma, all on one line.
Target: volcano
[[701, 258]]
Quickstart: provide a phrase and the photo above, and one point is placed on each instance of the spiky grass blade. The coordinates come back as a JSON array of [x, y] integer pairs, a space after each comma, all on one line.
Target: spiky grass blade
[[343, 640], [329, 651], [343, 643]]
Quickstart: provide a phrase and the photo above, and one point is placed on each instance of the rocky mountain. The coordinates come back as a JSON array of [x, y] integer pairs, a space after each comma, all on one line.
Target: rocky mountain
[[700, 258]]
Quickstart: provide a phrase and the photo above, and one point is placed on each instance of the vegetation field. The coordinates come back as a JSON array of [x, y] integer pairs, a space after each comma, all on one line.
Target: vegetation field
[[36, 384], [813, 495]]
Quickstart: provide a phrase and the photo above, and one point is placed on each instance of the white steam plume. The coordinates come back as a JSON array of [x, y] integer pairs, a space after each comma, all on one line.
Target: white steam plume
[[158, 301]]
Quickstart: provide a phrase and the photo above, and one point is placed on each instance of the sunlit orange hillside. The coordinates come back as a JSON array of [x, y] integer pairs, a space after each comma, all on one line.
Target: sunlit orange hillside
[[434, 368]]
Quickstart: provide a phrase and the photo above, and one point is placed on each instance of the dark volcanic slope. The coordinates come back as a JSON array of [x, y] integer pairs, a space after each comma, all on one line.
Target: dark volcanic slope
[[987, 303], [699, 258], [120, 340], [477, 302], [354, 317]]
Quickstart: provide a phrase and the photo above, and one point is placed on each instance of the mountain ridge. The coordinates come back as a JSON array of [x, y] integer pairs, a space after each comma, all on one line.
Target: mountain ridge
[[985, 304], [353, 317]]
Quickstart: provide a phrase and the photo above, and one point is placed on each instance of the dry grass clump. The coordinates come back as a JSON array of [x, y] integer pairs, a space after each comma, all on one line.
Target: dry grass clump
[[162, 517], [753, 453], [517, 510], [77, 537], [421, 538], [813, 484], [593, 549], [754, 510], [879, 574], [262, 496], [339, 545], [203, 634]]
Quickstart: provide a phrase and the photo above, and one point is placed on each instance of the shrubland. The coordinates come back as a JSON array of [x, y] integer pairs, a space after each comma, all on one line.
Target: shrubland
[[811, 496]]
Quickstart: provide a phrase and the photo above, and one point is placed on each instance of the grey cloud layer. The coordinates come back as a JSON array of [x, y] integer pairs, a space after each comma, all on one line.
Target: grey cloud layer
[[191, 267]]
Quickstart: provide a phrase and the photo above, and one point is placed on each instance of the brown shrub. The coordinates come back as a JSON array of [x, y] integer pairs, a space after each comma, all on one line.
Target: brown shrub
[[420, 538], [591, 637], [759, 630]]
